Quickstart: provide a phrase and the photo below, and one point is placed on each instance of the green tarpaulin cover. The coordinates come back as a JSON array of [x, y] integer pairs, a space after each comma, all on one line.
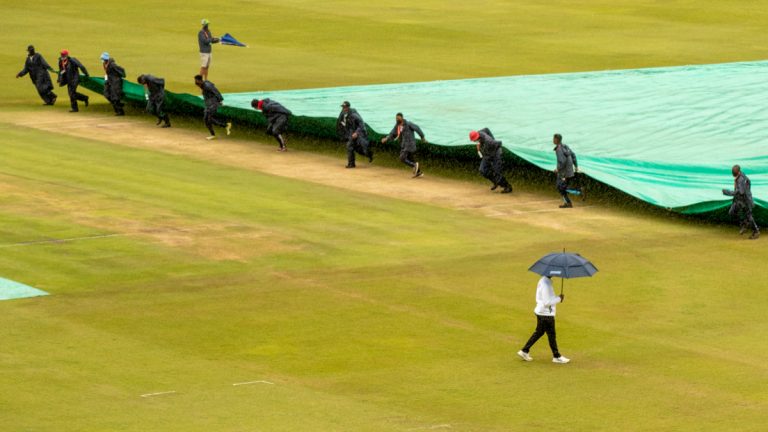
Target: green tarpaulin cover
[[667, 136], [12, 290]]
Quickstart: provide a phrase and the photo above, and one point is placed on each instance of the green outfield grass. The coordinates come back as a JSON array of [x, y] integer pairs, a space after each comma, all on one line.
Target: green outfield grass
[[365, 313]]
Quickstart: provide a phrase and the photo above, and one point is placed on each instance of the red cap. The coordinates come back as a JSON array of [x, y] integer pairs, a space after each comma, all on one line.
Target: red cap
[[64, 52], [474, 136], [260, 104]]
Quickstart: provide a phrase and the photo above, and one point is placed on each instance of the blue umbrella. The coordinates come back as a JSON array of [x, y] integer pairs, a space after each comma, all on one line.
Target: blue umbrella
[[563, 265], [228, 39]]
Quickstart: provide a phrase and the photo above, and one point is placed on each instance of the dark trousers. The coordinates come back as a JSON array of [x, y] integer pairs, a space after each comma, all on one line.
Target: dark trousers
[[209, 116], [564, 187], [492, 167], [46, 94], [74, 96], [406, 157], [544, 324], [117, 105], [743, 213], [357, 145], [155, 106], [276, 127]]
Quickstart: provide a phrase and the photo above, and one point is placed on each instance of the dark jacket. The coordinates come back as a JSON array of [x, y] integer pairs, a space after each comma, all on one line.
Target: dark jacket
[[489, 146], [38, 68], [211, 95], [113, 86], [350, 122], [204, 40], [273, 110], [742, 192], [155, 86], [70, 73], [405, 133], [566, 161]]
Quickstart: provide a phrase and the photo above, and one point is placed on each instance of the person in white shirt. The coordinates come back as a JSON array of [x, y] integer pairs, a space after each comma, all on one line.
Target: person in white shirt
[[546, 308]]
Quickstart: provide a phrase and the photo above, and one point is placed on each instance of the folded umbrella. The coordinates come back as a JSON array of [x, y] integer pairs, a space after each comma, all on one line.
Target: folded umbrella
[[563, 265], [228, 39]]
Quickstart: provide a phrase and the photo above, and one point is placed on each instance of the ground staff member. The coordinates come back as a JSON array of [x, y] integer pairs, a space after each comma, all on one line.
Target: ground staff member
[[277, 119], [213, 100], [351, 128], [546, 308], [113, 83], [567, 167], [38, 69], [404, 131], [155, 97], [743, 203], [492, 163], [69, 75]]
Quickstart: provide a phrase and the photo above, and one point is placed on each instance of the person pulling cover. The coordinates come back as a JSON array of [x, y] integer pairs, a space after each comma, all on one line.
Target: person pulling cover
[[38, 69]]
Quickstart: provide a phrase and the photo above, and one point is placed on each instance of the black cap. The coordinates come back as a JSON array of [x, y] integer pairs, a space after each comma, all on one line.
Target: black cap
[[31, 48], [345, 104]]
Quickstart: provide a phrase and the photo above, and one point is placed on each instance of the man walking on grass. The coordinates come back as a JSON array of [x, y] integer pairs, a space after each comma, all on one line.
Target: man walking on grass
[[404, 131], [213, 100], [69, 75], [351, 127], [567, 167], [204, 41], [492, 163], [38, 69], [155, 95], [743, 203], [113, 83], [277, 119], [546, 308]]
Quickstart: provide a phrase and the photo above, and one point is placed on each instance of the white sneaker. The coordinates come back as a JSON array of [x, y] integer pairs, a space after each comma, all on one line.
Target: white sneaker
[[229, 128], [524, 355], [212, 137], [561, 360]]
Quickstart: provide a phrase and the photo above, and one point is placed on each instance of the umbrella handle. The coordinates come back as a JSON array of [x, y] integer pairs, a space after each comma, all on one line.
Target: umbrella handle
[[562, 285]]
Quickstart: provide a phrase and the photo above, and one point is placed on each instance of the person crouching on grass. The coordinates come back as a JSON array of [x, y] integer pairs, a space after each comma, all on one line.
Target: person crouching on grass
[[213, 100], [545, 311]]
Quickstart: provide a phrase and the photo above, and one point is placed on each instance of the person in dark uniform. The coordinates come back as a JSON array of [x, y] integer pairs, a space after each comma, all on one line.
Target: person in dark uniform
[[404, 131], [69, 75], [155, 97], [213, 100], [38, 69], [204, 42], [277, 119], [567, 167], [113, 83], [351, 128], [492, 162], [743, 203]]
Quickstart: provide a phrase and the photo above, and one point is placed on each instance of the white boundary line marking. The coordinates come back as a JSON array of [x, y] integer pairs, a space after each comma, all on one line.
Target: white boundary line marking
[[64, 240], [253, 382], [434, 427], [158, 393]]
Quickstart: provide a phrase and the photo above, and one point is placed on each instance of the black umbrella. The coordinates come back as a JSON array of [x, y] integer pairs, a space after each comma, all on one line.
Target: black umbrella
[[563, 265]]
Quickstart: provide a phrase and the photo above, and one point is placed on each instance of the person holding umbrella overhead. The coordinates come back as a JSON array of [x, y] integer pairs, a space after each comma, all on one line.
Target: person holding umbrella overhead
[[562, 265]]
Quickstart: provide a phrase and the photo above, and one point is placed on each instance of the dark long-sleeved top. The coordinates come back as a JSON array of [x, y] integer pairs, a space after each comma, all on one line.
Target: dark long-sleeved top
[[350, 122], [272, 109], [204, 40], [742, 191], [69, 71], [113, 87], [155, 86], [38, 68], [211, 95], [405, 133], [489, 146], [566, 161]]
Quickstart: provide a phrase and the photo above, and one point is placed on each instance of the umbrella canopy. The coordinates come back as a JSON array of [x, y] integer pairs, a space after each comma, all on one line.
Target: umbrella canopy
[[563, 265], [228, 39]]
